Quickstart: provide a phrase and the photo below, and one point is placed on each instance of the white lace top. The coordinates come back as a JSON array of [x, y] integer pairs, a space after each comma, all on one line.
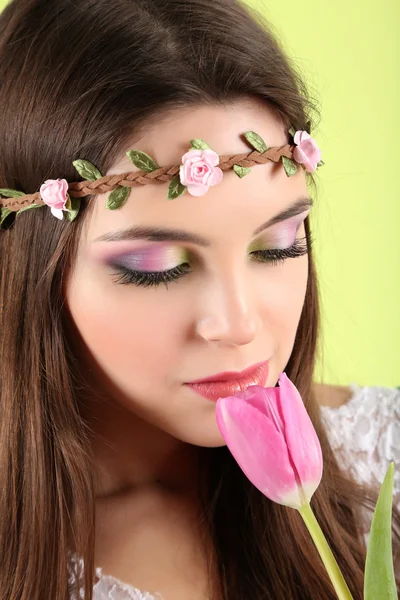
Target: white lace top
[[365, 432]]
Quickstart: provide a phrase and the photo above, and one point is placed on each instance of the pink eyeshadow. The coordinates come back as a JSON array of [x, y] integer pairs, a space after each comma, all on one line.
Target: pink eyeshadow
[[284, 235], [150, 259]]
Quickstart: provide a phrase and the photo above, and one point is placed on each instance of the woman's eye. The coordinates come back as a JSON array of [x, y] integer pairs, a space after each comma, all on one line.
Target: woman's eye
[[148, 279], [276, 256]]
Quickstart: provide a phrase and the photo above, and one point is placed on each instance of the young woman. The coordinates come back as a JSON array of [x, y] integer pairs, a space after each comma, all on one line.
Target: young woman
[[114, 475]]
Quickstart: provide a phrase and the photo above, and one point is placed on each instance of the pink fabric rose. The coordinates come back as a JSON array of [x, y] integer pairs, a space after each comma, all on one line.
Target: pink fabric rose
[[307, 151], [199, 171], [54, 194]]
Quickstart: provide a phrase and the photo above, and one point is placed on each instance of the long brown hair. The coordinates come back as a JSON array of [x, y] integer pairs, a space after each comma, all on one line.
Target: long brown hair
[[77, 78]]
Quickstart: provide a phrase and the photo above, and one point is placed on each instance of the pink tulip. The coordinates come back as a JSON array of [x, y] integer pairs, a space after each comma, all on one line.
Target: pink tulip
[[271, 437]]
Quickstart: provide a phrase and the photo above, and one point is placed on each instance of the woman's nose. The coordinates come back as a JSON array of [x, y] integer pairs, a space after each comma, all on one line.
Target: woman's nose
[[229, 315]]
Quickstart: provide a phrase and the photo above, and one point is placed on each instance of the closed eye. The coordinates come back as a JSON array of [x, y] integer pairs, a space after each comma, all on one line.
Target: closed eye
[[273, 257]]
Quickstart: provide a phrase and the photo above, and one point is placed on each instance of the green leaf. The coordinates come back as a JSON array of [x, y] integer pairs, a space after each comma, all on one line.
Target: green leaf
[[4, 214], [256, 141], [241, 171], [143, 161], [199, 144], [379, 581], [73, 205], [117, 197], [68, 204], [7, 193], [175, 188], [29, 208], [87, 170], [292, 131], [289, 165], [320, 164]]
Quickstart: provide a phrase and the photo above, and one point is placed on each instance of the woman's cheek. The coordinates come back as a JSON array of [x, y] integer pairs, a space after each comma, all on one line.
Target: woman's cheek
[[129, 332], [293, 296]]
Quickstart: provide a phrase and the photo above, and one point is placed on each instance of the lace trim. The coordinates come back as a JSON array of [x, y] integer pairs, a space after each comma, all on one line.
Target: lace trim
[[107, 587], [365, 433]]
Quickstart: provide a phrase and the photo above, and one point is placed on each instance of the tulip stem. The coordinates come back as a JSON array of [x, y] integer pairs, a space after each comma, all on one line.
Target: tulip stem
[[341, 589]]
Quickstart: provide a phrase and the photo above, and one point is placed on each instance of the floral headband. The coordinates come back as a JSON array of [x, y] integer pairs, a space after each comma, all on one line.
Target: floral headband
[[200, 169]]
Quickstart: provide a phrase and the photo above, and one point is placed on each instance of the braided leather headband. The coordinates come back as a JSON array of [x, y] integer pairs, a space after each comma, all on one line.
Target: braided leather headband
[[200, 169]]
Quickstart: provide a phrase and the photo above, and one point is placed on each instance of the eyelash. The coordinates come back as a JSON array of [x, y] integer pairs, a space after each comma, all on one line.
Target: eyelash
[[147, 279]]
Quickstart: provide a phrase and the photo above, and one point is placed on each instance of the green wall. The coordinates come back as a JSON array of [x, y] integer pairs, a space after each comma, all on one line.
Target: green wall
[[349, 53]]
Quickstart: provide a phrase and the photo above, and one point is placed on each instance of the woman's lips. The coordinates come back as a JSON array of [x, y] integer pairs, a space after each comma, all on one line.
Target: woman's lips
[[220, 389]]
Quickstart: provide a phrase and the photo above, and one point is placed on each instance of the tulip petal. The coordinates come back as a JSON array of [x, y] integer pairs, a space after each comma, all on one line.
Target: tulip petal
[[259, 449], [266, 401], [301, 439]]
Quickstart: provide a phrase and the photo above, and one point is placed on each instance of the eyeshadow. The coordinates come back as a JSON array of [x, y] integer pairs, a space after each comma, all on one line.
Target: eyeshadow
[[286, 237], [152, 258], [282, 235], [163, 255]]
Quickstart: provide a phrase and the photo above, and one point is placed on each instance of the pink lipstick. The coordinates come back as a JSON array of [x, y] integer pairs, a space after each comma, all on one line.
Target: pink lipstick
[[230, 382]]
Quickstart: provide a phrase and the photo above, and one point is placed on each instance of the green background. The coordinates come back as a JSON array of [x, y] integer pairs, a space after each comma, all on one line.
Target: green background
[[349, 53]]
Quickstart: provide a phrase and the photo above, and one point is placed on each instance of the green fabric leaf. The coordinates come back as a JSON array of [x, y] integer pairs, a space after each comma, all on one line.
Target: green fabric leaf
[[117, 197], [320, 164], [289, 165], [10, 193], [28, 208], [256, 141], [73, 205], [199, 144], [4, 214], [379, 581], [241, 171], [142, 161], [68, 204], [175, 188], [292, 131], [87, 170]]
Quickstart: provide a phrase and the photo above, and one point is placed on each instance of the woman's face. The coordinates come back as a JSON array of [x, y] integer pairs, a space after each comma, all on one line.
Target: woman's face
[[228, 311]]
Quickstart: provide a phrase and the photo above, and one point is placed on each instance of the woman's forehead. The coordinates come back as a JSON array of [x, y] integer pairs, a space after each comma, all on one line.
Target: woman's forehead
[[238, 203], [167, 137], [232, 210]]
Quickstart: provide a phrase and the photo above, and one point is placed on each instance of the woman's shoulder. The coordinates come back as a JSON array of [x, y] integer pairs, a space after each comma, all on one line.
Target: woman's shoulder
[[365, 430], [332, 395], [357, 399], [358, 402], [366, 413]]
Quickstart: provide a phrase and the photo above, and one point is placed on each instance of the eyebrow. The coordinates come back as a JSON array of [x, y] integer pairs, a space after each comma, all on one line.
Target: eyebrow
[[157, 234]]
